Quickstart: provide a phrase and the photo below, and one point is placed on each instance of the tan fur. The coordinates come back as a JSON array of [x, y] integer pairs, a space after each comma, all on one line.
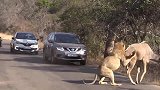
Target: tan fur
[[110, 64], [142, 56]]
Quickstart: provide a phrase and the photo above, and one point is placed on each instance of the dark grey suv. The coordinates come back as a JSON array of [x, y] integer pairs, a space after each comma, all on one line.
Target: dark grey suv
[[64, 46]]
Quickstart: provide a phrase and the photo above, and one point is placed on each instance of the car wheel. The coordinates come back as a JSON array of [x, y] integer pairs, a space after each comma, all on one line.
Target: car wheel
[[36, 52], [12, 50], [53, 60], [45, 58], [83, 62]]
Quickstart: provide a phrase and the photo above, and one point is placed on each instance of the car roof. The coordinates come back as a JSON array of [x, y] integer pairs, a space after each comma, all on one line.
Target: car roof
[[24, 32], [63, 33]]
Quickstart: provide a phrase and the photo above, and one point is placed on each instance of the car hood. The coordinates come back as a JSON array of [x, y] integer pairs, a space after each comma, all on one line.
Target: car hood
[[70, 45], [26, 41]]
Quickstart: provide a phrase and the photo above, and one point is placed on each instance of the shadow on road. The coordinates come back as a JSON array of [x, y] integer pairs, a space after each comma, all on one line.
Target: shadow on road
[[38, 64], [4, 52], [69, 67], [123, 88], [64, 68], [58, 68], [31, 59], [118, 79]]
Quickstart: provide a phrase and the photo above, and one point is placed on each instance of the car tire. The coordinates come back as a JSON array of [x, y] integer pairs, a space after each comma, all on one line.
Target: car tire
[[53, 60], [45, 58], [12, 50], [83, 62], [36, 52]]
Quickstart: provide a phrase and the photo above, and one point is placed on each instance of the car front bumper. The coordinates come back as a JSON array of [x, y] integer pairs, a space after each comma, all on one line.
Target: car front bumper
[[70, 56], [22, 48], [78, 58]]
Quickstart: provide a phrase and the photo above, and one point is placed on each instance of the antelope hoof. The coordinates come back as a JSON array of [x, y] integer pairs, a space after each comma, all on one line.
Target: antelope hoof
[[115, 84], [134, 83], [137, 82]]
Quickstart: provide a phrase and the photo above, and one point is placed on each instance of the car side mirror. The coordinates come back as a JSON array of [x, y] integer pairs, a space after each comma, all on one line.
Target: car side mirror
[[82, 43], [13, 38], [50, 41]]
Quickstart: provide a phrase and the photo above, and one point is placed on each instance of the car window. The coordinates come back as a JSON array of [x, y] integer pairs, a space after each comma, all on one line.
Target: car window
[[49, 36], [66, 38], [52, 37], [29, 36]]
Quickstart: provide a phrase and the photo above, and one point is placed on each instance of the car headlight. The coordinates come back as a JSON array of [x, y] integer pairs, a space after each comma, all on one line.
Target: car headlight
[[35, 43], [17, 42], [60, 48], [82, 51]]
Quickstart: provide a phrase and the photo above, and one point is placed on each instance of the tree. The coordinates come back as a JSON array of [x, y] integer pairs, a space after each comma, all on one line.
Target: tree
[[130, 20]]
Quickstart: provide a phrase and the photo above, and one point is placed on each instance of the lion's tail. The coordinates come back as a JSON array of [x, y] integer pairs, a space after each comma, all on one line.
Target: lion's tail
[[95, 79]]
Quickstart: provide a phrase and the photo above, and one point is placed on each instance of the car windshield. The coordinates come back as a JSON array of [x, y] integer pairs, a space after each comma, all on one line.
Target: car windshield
[[66, 38], [29, 36]]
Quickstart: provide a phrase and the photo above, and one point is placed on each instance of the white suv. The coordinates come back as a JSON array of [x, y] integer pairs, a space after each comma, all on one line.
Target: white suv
[[24, 42]]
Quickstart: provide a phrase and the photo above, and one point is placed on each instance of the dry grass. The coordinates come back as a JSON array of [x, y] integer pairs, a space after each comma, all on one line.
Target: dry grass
[[153, 74], [94, 61], [5, 36]]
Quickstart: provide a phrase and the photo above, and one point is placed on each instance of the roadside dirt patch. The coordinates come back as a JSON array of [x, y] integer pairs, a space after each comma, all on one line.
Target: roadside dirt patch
[[5, 36]]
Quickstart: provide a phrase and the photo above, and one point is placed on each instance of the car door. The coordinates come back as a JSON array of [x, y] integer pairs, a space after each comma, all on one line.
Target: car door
[[46, 45], [50, 45]]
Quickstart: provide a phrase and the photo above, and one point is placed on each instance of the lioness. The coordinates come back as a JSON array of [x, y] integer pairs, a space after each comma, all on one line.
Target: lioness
[[110, 64]]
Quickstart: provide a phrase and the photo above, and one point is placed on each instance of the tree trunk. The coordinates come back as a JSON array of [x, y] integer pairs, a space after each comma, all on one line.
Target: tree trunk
[[109, 44]]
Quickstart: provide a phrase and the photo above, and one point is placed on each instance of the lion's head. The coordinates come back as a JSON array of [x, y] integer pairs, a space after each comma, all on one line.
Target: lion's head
[[119, 50]]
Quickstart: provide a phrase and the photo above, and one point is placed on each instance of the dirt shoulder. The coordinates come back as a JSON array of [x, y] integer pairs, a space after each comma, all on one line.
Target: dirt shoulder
[[5, 36]]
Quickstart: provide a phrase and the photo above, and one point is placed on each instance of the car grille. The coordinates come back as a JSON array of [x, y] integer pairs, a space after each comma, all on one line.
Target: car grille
[[72, 49], [27, 44], [26, 48], [78, 57]]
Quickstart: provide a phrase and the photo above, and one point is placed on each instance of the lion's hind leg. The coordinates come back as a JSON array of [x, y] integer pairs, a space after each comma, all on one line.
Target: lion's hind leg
[[107, 72], [111, 76], [102, 80]]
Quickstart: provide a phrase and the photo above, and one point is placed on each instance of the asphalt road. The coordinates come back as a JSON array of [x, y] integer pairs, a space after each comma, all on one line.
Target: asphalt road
[[29, 72]]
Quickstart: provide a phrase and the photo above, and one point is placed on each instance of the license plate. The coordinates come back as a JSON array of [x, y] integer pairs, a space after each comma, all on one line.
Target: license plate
[[72, 55], [27, 48]]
